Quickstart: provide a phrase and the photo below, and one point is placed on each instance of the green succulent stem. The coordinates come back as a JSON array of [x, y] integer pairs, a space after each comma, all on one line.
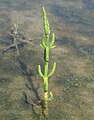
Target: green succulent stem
[[46, 69], [47, 46]]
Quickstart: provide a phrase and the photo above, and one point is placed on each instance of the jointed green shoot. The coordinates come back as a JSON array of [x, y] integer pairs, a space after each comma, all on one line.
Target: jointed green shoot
[[47, 45]]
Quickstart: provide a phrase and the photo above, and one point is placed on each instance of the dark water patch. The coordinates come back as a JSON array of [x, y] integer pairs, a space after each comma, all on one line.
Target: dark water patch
[[80, 48], [70, 42], [19, 5], [89, 33], [89, 4], [66, 41], [73, 15]]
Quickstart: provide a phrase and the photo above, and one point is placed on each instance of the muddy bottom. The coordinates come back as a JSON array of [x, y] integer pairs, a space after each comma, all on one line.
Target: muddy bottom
[[72, 84]]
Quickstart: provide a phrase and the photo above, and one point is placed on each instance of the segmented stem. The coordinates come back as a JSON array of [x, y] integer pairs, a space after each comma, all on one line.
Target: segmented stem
[[47, 46]]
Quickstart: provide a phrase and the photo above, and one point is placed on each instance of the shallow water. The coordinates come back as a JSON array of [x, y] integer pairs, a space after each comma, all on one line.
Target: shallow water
[[73, 82]]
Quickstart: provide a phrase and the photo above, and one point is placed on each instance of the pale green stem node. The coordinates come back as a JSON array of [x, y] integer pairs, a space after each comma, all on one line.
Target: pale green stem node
[[53, 69], [50, 96], [43, 45], [53, 40], [46, 54], [39, 71]]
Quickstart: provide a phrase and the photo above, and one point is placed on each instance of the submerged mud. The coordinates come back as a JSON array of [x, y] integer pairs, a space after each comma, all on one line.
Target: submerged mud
[[73, 81]]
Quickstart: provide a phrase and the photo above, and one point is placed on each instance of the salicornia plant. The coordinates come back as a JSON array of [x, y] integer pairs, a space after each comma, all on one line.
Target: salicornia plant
[[47, 45]]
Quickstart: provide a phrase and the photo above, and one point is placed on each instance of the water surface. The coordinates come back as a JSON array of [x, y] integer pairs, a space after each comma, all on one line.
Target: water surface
[[73, 82]]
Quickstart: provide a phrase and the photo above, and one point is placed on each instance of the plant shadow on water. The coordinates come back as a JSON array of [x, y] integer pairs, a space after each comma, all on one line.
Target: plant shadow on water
[[36, 103], [30, 86]]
